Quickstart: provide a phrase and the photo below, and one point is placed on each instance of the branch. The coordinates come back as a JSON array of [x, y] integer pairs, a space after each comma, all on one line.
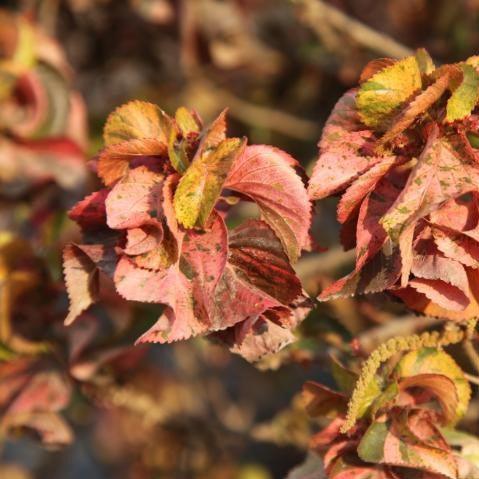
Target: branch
[[316, 13]]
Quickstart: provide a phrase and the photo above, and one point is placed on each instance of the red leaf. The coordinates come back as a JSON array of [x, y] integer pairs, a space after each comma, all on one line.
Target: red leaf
[[266, 175]]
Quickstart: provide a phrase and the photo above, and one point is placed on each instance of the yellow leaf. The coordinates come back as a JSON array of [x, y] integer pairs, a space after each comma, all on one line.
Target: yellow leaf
[[388, 89], [137, 120], [200, 187], [465, 96]]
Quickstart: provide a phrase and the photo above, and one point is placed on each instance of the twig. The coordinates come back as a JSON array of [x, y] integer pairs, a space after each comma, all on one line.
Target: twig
[[315, 13], [256, 115], [266, 117], [472, 379]]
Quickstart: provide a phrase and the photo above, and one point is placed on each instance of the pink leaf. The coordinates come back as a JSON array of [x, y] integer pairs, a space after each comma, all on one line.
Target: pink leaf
[[360, 188], [134, 200], [341, 159]]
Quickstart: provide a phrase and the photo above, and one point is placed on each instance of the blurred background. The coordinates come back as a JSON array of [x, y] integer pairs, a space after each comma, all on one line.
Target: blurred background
[[193, 410]]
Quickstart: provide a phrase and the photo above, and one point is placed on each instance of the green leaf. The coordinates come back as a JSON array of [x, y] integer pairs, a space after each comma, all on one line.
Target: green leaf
[[388, 89], [200, 187], [371, 447], [465, 96]]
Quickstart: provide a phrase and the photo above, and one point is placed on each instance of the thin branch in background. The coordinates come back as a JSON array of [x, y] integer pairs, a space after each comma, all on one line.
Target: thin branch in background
[[214, 97], [316, 13]]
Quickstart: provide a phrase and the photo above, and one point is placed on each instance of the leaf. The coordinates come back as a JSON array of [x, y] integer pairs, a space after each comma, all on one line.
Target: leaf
[[386, 443], [200, 187], [115, 160], [424, 61], [135, 200], [256, 338], [458, 247], [216, 133], [143, 239], [434, 361], [440, 387], [419, 302], [379, 274], [341, 157], [370, 235], [419, 105], [26, 162], [205, 294], [438, 176], [387, 90], [361, 187], [90, 213], [137, 120], [433, 266], [375, 66], [34, 390], [441, 293], [321, 401], [259, 258], [81, 280], [266, 175], [187, 121], [465, 96]]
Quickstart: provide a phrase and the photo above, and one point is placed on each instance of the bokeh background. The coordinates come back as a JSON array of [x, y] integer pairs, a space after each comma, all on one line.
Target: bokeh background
[[193, 410]]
